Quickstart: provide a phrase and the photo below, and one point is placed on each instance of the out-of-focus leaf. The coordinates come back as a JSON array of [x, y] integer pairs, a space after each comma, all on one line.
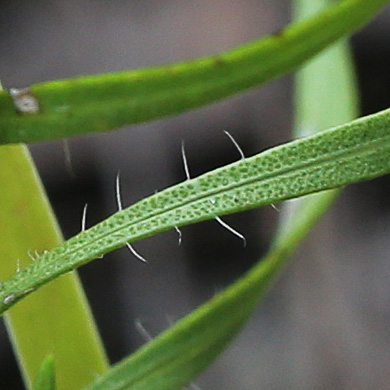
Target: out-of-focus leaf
[[46, 377], [66, 108]]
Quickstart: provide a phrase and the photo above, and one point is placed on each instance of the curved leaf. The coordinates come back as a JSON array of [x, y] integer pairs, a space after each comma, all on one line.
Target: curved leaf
[[157, 364], [98, 103], [179, 354], [342, 155]]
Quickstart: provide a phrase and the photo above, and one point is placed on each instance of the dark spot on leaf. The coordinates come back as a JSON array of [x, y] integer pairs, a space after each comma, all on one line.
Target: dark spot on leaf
[[278, 33], [219, 61]]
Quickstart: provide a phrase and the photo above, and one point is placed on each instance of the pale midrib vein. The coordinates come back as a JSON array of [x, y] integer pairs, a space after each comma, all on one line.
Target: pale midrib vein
[[330, 156]]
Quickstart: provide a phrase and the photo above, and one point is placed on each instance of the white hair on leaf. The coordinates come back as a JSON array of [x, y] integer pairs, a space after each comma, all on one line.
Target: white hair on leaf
[[180, 235], [18, 267], [119, 204], [213, 201], [231, 230], [84, 218], [185, 163], [68, 158], [235, 143], [148, 337], [142, 330]]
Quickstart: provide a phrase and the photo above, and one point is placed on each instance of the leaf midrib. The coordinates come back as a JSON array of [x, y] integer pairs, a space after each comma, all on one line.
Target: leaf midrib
[[357, 149]]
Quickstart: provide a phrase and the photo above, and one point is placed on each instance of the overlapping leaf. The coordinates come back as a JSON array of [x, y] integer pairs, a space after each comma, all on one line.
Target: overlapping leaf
[[103, 102], [343, 155], [223, 316], [46, 379]]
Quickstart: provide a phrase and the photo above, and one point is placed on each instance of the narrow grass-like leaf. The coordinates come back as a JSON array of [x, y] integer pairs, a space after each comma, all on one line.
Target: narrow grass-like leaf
[[46, 377], [57, 316], [37, 327], [342, 155], [164, 357], [179, 354], [104, 102], [325, 95]]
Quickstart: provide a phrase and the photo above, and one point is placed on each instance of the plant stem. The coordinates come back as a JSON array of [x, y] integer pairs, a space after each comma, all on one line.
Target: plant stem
[[56, 319]]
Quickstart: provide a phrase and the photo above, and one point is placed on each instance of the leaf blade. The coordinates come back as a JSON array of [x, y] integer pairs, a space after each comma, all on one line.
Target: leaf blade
[[104, 102], [297, 217], [340, 156], [46, 378], [27, 224]]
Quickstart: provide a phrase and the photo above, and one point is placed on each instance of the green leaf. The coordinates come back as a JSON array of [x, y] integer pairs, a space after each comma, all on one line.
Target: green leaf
[[57, 315], [157, 364], [104, 102], [346, 154], [28, 226], [46, 377], [174, 358], [319, 105]]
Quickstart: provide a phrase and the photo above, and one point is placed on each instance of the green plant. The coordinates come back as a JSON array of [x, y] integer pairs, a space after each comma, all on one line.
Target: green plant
[[342, 155]]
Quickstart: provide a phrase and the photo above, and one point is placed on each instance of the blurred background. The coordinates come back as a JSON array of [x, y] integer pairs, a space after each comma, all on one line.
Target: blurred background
[[325, 323]]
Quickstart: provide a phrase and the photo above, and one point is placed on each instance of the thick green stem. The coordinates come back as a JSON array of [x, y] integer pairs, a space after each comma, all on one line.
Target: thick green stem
[[56, 319]]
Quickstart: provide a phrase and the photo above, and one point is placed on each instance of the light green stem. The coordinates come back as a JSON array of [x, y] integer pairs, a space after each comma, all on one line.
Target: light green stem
[[56, 319]]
